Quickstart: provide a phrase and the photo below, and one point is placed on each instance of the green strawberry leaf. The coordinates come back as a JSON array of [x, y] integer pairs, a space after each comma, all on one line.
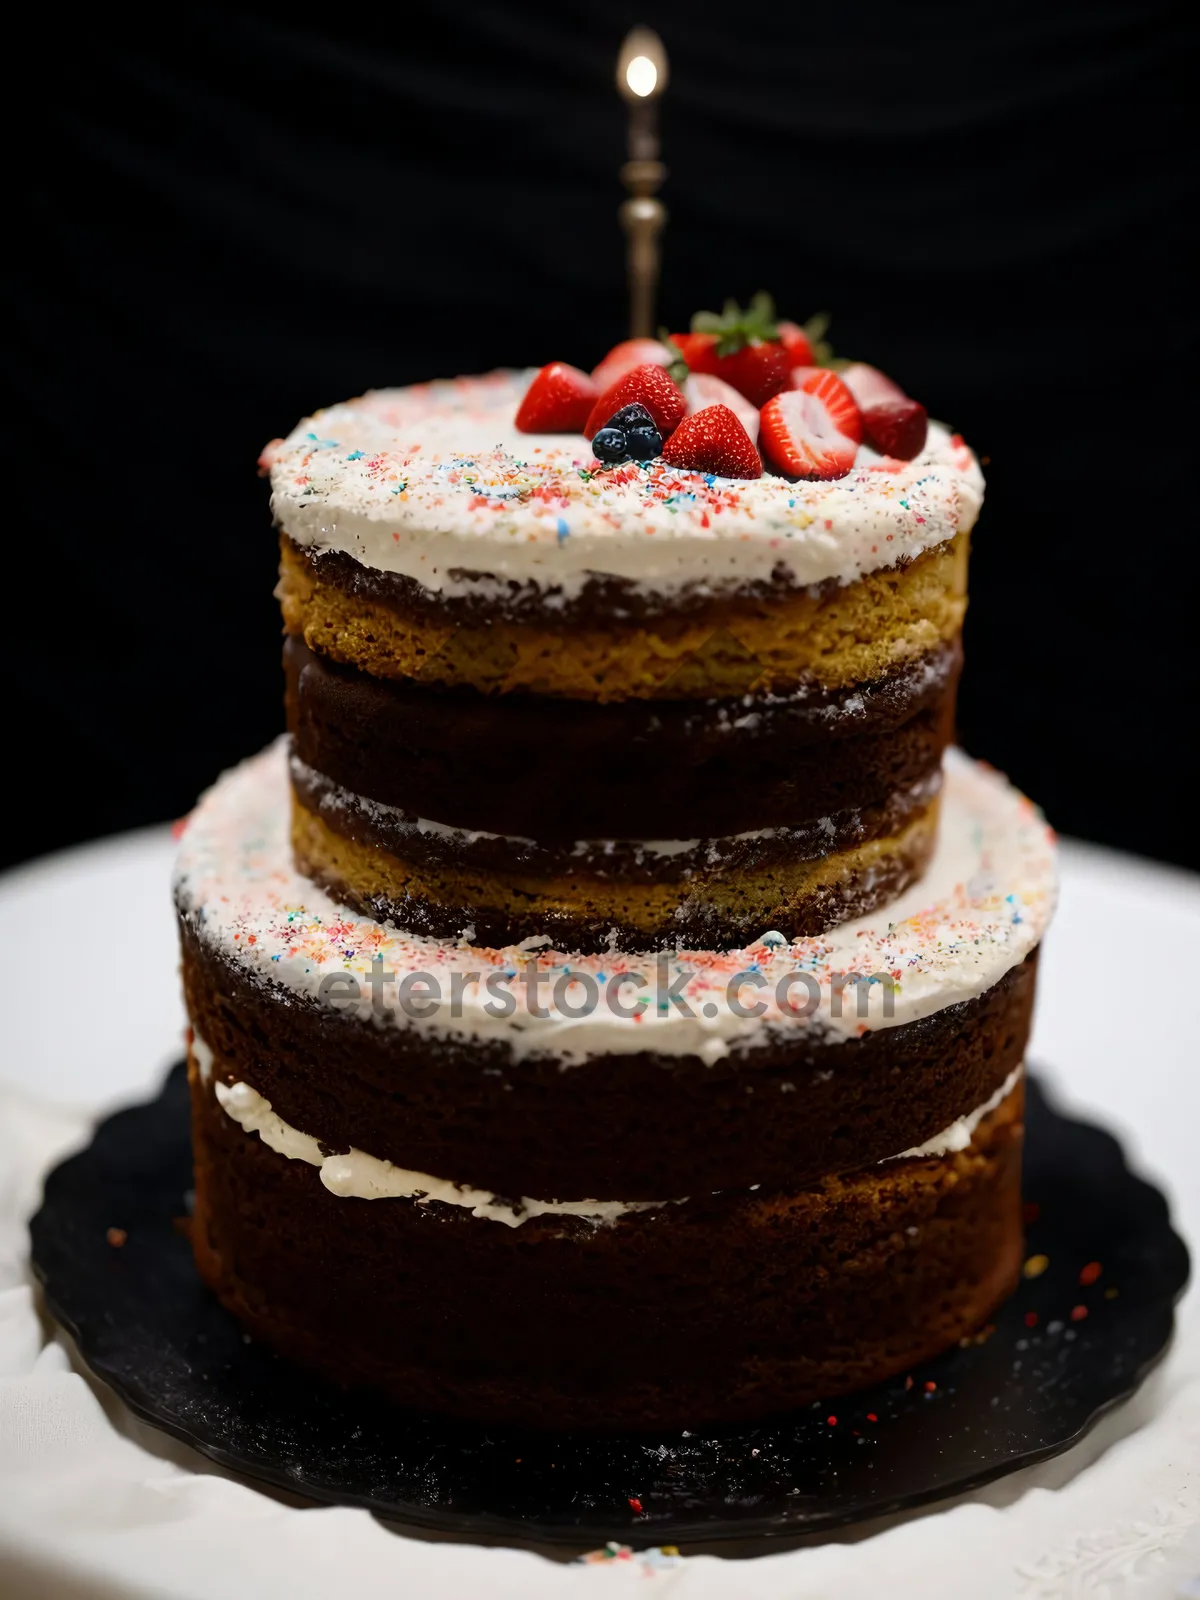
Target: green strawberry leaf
[[677, 367], [737, 327]]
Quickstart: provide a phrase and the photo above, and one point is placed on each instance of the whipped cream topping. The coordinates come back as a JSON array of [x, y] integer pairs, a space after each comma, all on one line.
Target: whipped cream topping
[[435, 483], [357, 1175], [981, 907]]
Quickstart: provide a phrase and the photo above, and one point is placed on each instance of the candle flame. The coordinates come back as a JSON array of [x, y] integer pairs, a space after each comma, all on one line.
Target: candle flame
[[641, 75], [642, 65]]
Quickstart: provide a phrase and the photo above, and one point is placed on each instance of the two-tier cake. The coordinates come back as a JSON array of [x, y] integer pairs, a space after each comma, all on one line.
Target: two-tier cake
[[608, 1004]]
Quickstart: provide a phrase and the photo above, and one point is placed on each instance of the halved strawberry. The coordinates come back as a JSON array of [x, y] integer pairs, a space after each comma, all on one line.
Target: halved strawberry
[[713, 440], [836, 398], [557, 401], [699, 350], [704, 389], [799, 437], [648, 385], [868, 384], [797, 343], [630, 353], [896, 427]]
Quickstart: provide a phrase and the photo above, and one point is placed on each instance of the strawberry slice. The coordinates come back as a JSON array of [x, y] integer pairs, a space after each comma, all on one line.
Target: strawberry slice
[[704, 389], [797, 343], [713, 440], [648, 385], [630, 353], [799, 437], [557, 401], [896, 427], [836, 398], [868, 384], [699, 350]]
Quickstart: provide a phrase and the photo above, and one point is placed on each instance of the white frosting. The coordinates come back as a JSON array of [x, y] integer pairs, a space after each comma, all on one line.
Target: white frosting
[[435, 483], [203, 1057], [356, 1175], [981, 907], [960, 1133]]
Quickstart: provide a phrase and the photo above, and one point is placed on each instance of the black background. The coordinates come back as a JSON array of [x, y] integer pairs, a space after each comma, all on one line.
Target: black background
[[220, 223]]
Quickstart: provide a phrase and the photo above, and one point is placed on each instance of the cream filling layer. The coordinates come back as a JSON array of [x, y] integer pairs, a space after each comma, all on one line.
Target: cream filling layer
[[359, 1176], [960, 1132]]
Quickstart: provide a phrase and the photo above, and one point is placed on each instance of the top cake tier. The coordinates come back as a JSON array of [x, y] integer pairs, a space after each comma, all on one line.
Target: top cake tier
[[535, 694], [434, 487]]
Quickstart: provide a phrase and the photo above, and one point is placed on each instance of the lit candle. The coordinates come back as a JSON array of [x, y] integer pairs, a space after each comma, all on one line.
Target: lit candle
[[641, 78]]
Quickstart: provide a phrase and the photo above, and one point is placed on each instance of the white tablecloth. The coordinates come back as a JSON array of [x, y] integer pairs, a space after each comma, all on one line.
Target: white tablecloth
[[92, 1502]]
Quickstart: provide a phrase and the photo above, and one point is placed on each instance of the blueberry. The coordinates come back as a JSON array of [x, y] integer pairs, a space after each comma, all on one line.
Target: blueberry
[[634, 416], [609, 445], [643, 444]]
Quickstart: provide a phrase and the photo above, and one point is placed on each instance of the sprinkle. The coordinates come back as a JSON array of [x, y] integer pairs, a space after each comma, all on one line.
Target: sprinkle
[[1090, 1273], [832, 1421], [116, 1237], [930, 1386], [871, 1417], [635, 1505], [1078, 1313], [1031, 1319], [1035, 1266]]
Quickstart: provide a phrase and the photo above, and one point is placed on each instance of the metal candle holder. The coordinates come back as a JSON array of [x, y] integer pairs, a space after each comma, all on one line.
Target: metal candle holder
[[641, 79]]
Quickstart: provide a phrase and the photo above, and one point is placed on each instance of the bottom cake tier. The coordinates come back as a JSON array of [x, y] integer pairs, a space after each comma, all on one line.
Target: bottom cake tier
[[716, 1309], [610, 1191]]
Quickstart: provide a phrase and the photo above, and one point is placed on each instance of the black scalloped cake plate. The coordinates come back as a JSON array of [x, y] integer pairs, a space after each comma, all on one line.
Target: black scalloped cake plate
[[1077, 1337]]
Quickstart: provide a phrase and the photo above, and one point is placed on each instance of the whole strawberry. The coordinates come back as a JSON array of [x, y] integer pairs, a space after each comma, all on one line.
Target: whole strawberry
[[699, 351], [797, 343], [557, 401], [868, 385], [896, 427], [630, 353], [748, 351], [649, 385], [758, 370], [702, 389], [713, 440]]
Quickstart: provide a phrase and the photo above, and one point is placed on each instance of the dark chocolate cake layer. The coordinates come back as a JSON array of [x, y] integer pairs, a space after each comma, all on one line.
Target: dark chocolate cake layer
[[724, 897], [631, 1126], [633, 861], [725, 1307], [563, 771]]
